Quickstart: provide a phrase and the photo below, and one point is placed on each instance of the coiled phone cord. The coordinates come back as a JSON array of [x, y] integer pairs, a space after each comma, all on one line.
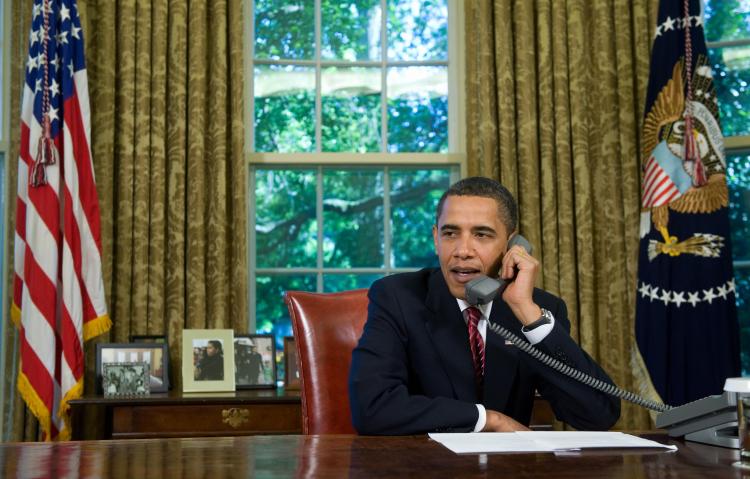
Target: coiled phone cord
[[574, 373]]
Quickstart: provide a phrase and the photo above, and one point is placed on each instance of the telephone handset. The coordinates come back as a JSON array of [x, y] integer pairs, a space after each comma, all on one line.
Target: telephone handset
[[711, 420], [483, 289]]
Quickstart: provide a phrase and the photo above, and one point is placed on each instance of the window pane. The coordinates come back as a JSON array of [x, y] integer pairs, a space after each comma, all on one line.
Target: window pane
[[345, 282], [727, 20], [351, 109], [414, 197], [284, 29], [353, 218], [417, 30], [285, 225], [351, 30], [731, 67], [271, 315], [418, 109], [284, 109], [738, 180]]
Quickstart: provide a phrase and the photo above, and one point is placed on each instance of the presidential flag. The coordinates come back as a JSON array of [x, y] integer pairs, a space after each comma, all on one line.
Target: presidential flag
[[686, 318], [58, 292]]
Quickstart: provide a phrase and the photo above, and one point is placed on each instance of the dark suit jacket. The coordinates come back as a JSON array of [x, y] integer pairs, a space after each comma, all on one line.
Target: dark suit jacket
[[412, 369]]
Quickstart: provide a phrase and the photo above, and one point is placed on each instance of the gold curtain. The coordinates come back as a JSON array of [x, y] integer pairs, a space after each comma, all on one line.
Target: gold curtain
[[555, 96], [166, 87]]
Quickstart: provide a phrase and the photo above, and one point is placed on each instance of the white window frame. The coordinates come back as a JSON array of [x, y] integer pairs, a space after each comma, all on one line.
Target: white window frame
[[454, 159]]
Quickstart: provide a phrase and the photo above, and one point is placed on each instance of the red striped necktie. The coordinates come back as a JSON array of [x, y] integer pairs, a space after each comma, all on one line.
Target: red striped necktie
[[476, 343]]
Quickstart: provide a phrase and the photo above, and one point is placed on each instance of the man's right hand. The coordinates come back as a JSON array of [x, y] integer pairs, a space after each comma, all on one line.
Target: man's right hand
[[499, 422]]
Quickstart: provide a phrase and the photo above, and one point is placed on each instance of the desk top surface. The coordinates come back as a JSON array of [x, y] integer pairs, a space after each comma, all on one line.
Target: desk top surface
[[346, 456]]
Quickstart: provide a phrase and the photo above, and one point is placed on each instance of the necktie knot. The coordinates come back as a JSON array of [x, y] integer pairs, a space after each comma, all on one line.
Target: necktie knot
[[473, 315]]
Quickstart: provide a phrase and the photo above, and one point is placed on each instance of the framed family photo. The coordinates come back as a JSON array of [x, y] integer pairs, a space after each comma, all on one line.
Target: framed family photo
[[255, 367], [208, 360], [126, 379], [154, 354], [291, 367]]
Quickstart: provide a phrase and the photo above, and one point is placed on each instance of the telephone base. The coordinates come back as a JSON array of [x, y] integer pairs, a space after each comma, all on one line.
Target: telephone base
[[724, 435]]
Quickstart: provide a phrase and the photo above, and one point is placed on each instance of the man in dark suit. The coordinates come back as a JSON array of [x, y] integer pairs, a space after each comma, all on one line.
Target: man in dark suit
[[420, 364]]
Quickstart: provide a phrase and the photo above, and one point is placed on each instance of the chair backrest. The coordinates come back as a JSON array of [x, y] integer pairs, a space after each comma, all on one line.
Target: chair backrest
[[326, 327]]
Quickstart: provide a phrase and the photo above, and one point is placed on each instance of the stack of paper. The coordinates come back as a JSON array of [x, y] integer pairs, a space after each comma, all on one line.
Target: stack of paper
[[533, 441]]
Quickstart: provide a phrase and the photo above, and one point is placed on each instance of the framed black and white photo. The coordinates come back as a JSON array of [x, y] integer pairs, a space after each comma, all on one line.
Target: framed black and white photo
[[207, 360], [154, 354], [126, 379], [255, 366]]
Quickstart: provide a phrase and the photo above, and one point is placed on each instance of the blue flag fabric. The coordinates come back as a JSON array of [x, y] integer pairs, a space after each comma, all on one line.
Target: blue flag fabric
[[686, 318]]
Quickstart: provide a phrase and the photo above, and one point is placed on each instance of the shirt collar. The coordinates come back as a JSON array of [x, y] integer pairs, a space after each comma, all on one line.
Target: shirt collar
[[484, 308]]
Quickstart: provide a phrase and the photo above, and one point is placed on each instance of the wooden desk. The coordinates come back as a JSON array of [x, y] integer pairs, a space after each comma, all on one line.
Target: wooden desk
[[347, 456], [175, 414]]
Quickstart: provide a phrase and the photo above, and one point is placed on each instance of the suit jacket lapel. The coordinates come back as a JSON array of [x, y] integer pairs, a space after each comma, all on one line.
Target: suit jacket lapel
[[501, 364], [448, 332]]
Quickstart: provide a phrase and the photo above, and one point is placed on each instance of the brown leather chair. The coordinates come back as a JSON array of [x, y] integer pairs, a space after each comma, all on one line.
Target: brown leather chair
[[326, 327]]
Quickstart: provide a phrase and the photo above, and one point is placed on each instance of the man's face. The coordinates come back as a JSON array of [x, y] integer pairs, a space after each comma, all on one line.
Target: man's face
[[210, 350], [470, 239]]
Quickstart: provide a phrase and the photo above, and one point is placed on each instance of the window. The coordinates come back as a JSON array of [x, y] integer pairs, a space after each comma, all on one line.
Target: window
[[354, 109], [728, 37]]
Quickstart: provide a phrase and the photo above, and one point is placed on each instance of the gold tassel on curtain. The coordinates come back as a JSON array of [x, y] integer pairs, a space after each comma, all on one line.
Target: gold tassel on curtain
[[555, 92]]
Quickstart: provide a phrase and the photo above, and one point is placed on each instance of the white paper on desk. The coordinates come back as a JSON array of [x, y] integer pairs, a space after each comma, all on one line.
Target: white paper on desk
[[538, 441], [483, 442]]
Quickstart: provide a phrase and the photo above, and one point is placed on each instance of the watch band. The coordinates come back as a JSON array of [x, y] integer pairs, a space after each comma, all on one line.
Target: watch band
[[545, 318]]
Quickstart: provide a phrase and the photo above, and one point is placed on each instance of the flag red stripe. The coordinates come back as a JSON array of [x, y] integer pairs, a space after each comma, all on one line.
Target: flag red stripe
[[41, 290], [664, 185], [653, 174], [36, 373], [71, 344], [86, 184], [665, 197], [21, 218], [17, 290]]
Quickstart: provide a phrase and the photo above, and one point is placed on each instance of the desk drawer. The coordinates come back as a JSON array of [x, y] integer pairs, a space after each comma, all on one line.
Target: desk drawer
[[205, 420]]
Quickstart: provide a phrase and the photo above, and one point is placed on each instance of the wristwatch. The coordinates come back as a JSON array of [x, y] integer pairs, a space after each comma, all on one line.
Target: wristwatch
[[545, 318]]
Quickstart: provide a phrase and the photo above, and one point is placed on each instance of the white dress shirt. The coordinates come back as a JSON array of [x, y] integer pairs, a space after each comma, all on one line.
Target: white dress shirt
[[534, 336]]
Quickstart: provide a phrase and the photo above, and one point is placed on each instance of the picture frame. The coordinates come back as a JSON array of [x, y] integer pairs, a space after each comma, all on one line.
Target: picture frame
[[254, 361], [127, 379], [148, 338], [291, 364], [208, 360], [157, 355]]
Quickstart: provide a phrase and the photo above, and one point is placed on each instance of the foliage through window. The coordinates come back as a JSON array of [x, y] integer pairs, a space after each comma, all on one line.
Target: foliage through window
[[352, 77], [727, 27], [323, 82]]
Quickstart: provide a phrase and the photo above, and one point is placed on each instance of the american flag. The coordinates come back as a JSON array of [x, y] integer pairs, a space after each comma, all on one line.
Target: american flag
[[58, 290]]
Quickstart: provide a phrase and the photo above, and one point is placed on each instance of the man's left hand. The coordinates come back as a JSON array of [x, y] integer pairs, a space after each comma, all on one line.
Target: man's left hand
[[518, 294]]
